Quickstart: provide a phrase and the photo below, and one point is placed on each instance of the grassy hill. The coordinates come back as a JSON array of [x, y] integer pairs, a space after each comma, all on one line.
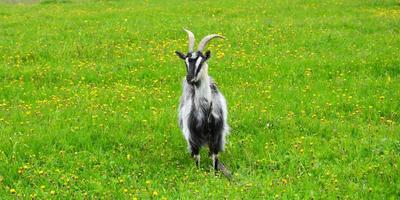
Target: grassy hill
[[89, 94]]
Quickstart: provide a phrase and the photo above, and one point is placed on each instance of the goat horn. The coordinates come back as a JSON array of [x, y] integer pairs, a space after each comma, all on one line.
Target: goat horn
[[203, 43], [191, 40]]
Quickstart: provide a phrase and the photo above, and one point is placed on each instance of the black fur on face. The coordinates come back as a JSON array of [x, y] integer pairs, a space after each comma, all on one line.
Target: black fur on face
[[193, 64]]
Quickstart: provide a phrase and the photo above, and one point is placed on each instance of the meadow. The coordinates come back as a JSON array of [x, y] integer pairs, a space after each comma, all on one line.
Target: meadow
[[90, 89]]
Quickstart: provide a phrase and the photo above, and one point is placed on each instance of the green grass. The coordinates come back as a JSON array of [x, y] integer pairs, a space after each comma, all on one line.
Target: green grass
[[89, 94]]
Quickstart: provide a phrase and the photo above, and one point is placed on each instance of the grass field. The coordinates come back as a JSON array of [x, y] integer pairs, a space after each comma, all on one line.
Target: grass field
[[89, 94]]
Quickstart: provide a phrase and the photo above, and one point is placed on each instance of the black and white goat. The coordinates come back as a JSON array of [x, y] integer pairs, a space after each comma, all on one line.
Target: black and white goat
[[202, 109]]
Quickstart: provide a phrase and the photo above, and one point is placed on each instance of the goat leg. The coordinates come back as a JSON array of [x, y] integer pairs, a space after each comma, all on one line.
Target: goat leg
[[197, 159]]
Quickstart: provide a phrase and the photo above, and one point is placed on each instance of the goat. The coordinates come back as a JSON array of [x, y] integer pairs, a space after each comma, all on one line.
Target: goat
[[202, 109]]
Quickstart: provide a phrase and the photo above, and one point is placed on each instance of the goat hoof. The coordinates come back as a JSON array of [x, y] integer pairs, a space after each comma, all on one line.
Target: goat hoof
[[197, 160]]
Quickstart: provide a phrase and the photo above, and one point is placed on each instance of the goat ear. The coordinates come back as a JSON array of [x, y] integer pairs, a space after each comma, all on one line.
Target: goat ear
[[180, 55], [207, 54]]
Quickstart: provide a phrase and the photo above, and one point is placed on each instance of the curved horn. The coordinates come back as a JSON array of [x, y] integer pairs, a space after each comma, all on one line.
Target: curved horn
[[191, 40], [203, 43]]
